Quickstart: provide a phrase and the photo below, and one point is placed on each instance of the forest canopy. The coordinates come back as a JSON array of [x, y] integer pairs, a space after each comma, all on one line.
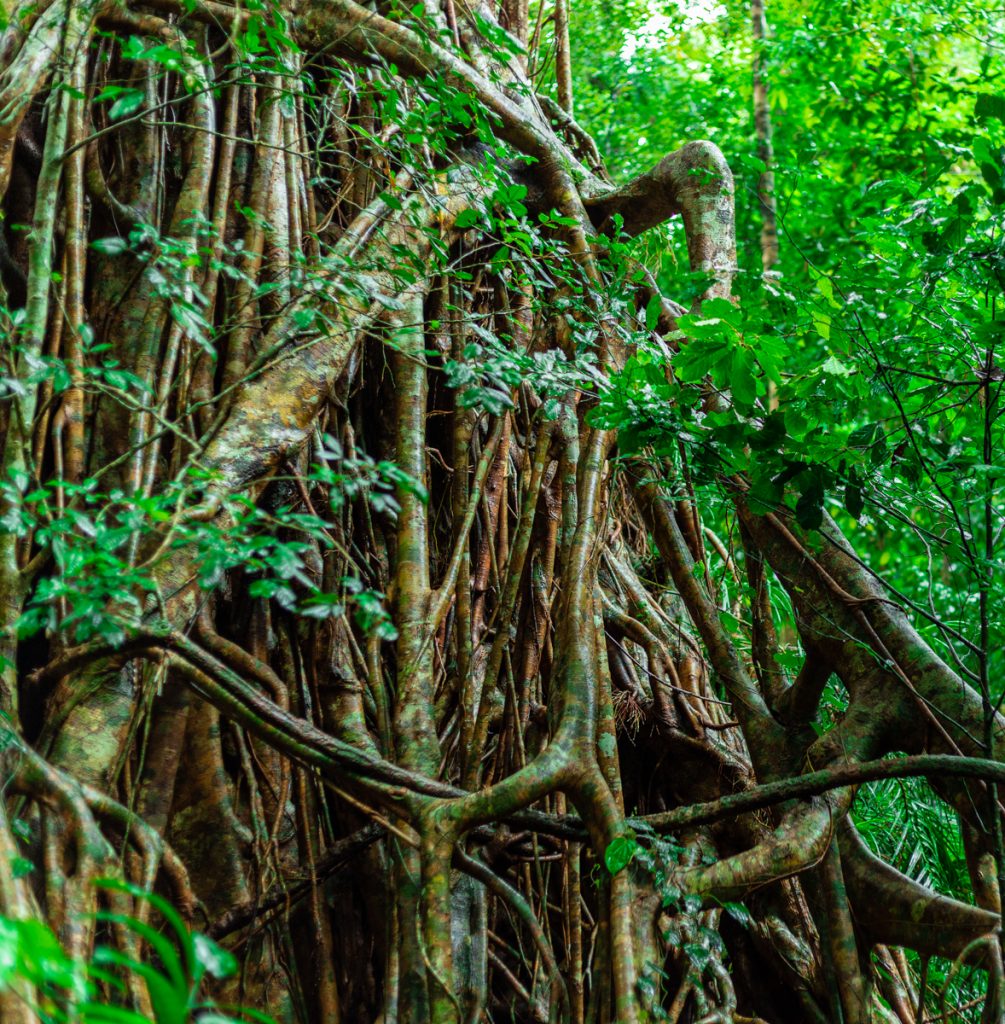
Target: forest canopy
[[501, 511]]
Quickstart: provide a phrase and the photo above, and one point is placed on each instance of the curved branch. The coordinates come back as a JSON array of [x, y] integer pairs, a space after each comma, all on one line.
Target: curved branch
[[800, 842], [894, 910], [694, 181], [815, 783]]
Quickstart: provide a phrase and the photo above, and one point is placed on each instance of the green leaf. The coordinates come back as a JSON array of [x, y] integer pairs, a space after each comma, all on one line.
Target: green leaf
[[157, 942], [861, 437], [992, 175], [653, 309], [834, 366], [110, 246], [466, 219], [990, 105], [170, 1002], [168, 912], [730, 623], [826, 288], [619, 853], [742, 382], [765, 494], [21, 866], [854, 501], [698, 955], [810, 509], [721, 309], [217, 961], [127, 103], [738, 912]]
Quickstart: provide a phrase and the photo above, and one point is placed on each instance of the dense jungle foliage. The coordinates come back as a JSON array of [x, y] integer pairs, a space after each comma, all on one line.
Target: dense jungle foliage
[[501, 511]]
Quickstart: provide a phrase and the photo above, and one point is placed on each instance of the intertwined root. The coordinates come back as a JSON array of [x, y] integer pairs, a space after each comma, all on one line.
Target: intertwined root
[[421, 811]]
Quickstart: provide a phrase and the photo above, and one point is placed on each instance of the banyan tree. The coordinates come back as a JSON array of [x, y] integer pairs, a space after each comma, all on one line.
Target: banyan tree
[[402, 587]]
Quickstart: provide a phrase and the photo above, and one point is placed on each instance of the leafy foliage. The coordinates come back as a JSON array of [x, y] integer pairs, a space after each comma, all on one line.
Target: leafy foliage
[[879, 331], [63, 990]]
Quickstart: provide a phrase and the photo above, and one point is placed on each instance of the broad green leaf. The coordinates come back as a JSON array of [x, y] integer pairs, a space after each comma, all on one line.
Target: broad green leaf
[[619, 853], [466, 219], [990, 105], [854, 501], [809, 509], [653, 309]]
